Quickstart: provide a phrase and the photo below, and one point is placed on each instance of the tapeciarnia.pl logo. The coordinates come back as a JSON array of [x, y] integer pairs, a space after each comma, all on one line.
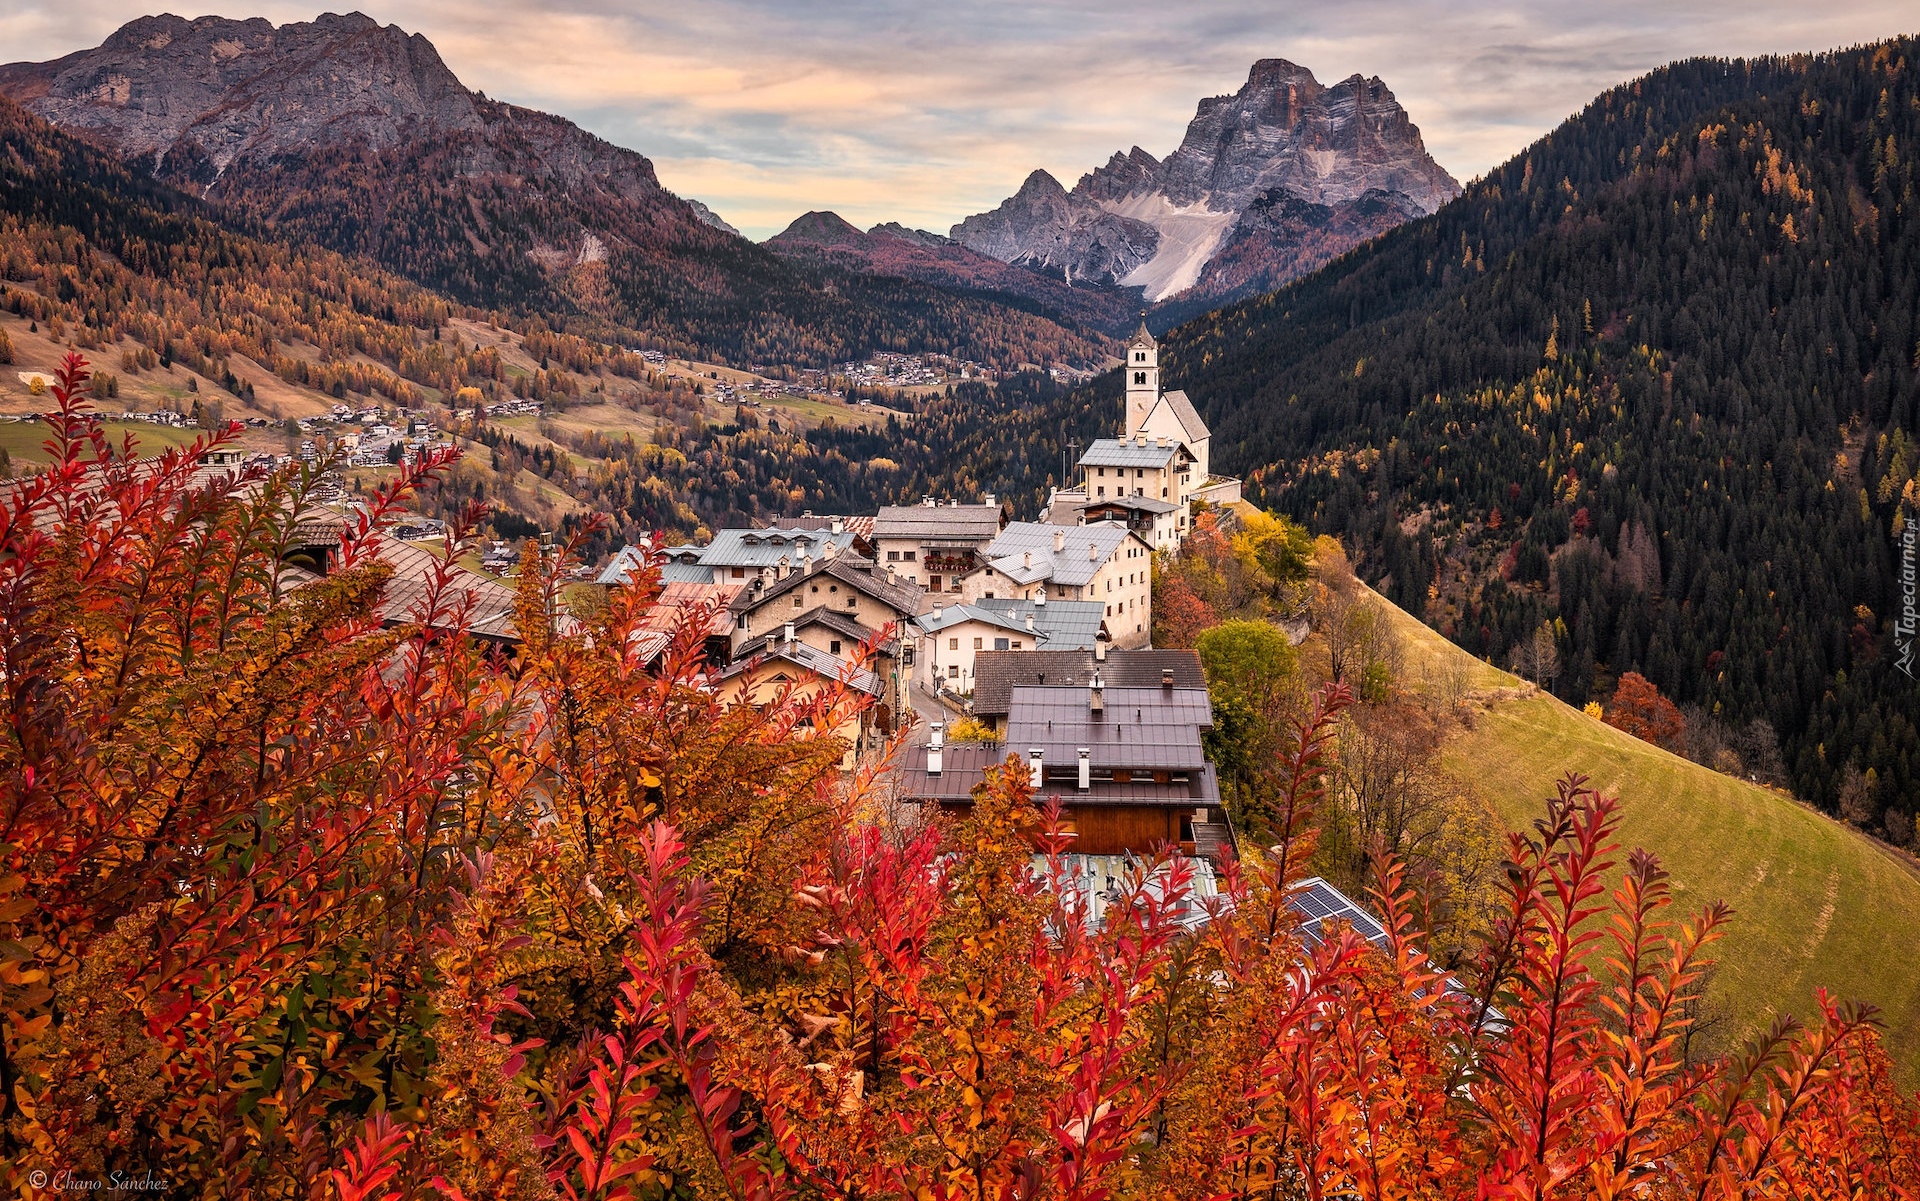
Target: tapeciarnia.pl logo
[[1909, 621]]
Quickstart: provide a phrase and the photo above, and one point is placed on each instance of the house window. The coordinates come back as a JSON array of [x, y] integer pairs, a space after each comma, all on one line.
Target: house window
[[739, 573], [906, 654], [977, 644], [893, 556], [1019, 646], [1139, 377], [853, 602], [833, 646], [953, 644], [953, 671], [906, 556], [999, 644], [933, 582], [798, 600], [1139, 356]]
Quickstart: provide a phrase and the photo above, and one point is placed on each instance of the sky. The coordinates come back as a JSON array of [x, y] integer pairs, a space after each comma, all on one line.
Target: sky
[[924, 111]]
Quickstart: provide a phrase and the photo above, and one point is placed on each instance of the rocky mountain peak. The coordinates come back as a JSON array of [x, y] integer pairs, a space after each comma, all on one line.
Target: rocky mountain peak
[[821, 229], [1156, 224], [1121, 177], [211, 91]]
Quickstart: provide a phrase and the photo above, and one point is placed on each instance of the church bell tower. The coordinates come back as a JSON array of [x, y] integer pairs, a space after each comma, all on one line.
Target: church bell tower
[[1143, 378]]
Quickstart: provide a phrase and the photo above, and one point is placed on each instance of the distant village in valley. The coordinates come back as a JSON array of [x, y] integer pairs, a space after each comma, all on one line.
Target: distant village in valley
[[975, 634]]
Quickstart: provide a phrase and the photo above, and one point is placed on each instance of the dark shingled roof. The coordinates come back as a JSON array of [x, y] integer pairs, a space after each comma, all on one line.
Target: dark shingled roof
[[995, 673], [964, 766], [957, 523], [902, 596], [1139, 728]]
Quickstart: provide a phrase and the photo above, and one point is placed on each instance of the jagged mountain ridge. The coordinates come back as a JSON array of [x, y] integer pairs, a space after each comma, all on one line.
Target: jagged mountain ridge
[[357, 136], [892, 249], [1349, 149]]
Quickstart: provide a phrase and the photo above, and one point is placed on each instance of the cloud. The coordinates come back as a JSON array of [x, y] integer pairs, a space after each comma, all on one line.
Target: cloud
[[900, 110]]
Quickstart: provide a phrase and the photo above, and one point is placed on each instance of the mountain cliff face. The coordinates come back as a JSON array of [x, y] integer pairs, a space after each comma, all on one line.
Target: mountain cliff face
[[357, 136], [1180, 225], [328, 126]]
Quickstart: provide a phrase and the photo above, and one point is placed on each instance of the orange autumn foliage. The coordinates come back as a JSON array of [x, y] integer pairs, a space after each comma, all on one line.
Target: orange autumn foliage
[[1639, 709], [298, 904]]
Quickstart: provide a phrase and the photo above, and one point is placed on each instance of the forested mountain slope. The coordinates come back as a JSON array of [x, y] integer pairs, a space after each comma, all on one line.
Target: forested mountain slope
[[356, 136], [1651, 382]]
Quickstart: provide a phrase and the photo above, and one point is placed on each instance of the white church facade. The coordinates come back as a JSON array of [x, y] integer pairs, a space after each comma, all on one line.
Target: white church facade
[[1152, 476]]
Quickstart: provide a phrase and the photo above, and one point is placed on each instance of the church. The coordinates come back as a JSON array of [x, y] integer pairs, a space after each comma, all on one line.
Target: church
[[1150, 478]]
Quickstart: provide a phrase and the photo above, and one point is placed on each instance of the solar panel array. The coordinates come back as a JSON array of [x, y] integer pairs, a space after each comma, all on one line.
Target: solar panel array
[[1322, 907], [1319, 903]]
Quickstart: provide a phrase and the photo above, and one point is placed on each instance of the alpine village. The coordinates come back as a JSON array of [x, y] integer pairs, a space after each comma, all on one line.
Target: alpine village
[[1265, 673]]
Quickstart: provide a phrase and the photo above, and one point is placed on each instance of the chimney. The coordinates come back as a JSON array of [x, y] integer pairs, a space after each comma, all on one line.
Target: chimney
[[936, 748], [1026, 558], [1036, 769], [890, 578], [806, 562], [786, 633], [839, 526], [1029, 623], [1166, 679], [1040, 598], [1093, 556], [1100, 647], [1086, 769], [829, 551], [1059, 541], [928, 501], [1161, 443], [1097, 696], [784, 565], [991, 499]]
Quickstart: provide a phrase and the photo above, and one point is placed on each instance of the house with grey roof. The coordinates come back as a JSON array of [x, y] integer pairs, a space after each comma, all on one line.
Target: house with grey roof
[[996, 673], [935, 543], [1127, 764], [1106, 563], [736, 556], [952, 635], [836, 604]]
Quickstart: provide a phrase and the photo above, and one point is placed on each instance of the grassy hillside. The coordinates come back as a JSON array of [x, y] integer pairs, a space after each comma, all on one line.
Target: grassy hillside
[[1816, 902]]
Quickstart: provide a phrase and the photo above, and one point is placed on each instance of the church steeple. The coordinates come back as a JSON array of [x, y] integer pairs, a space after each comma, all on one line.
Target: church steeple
[[1143, 377]]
